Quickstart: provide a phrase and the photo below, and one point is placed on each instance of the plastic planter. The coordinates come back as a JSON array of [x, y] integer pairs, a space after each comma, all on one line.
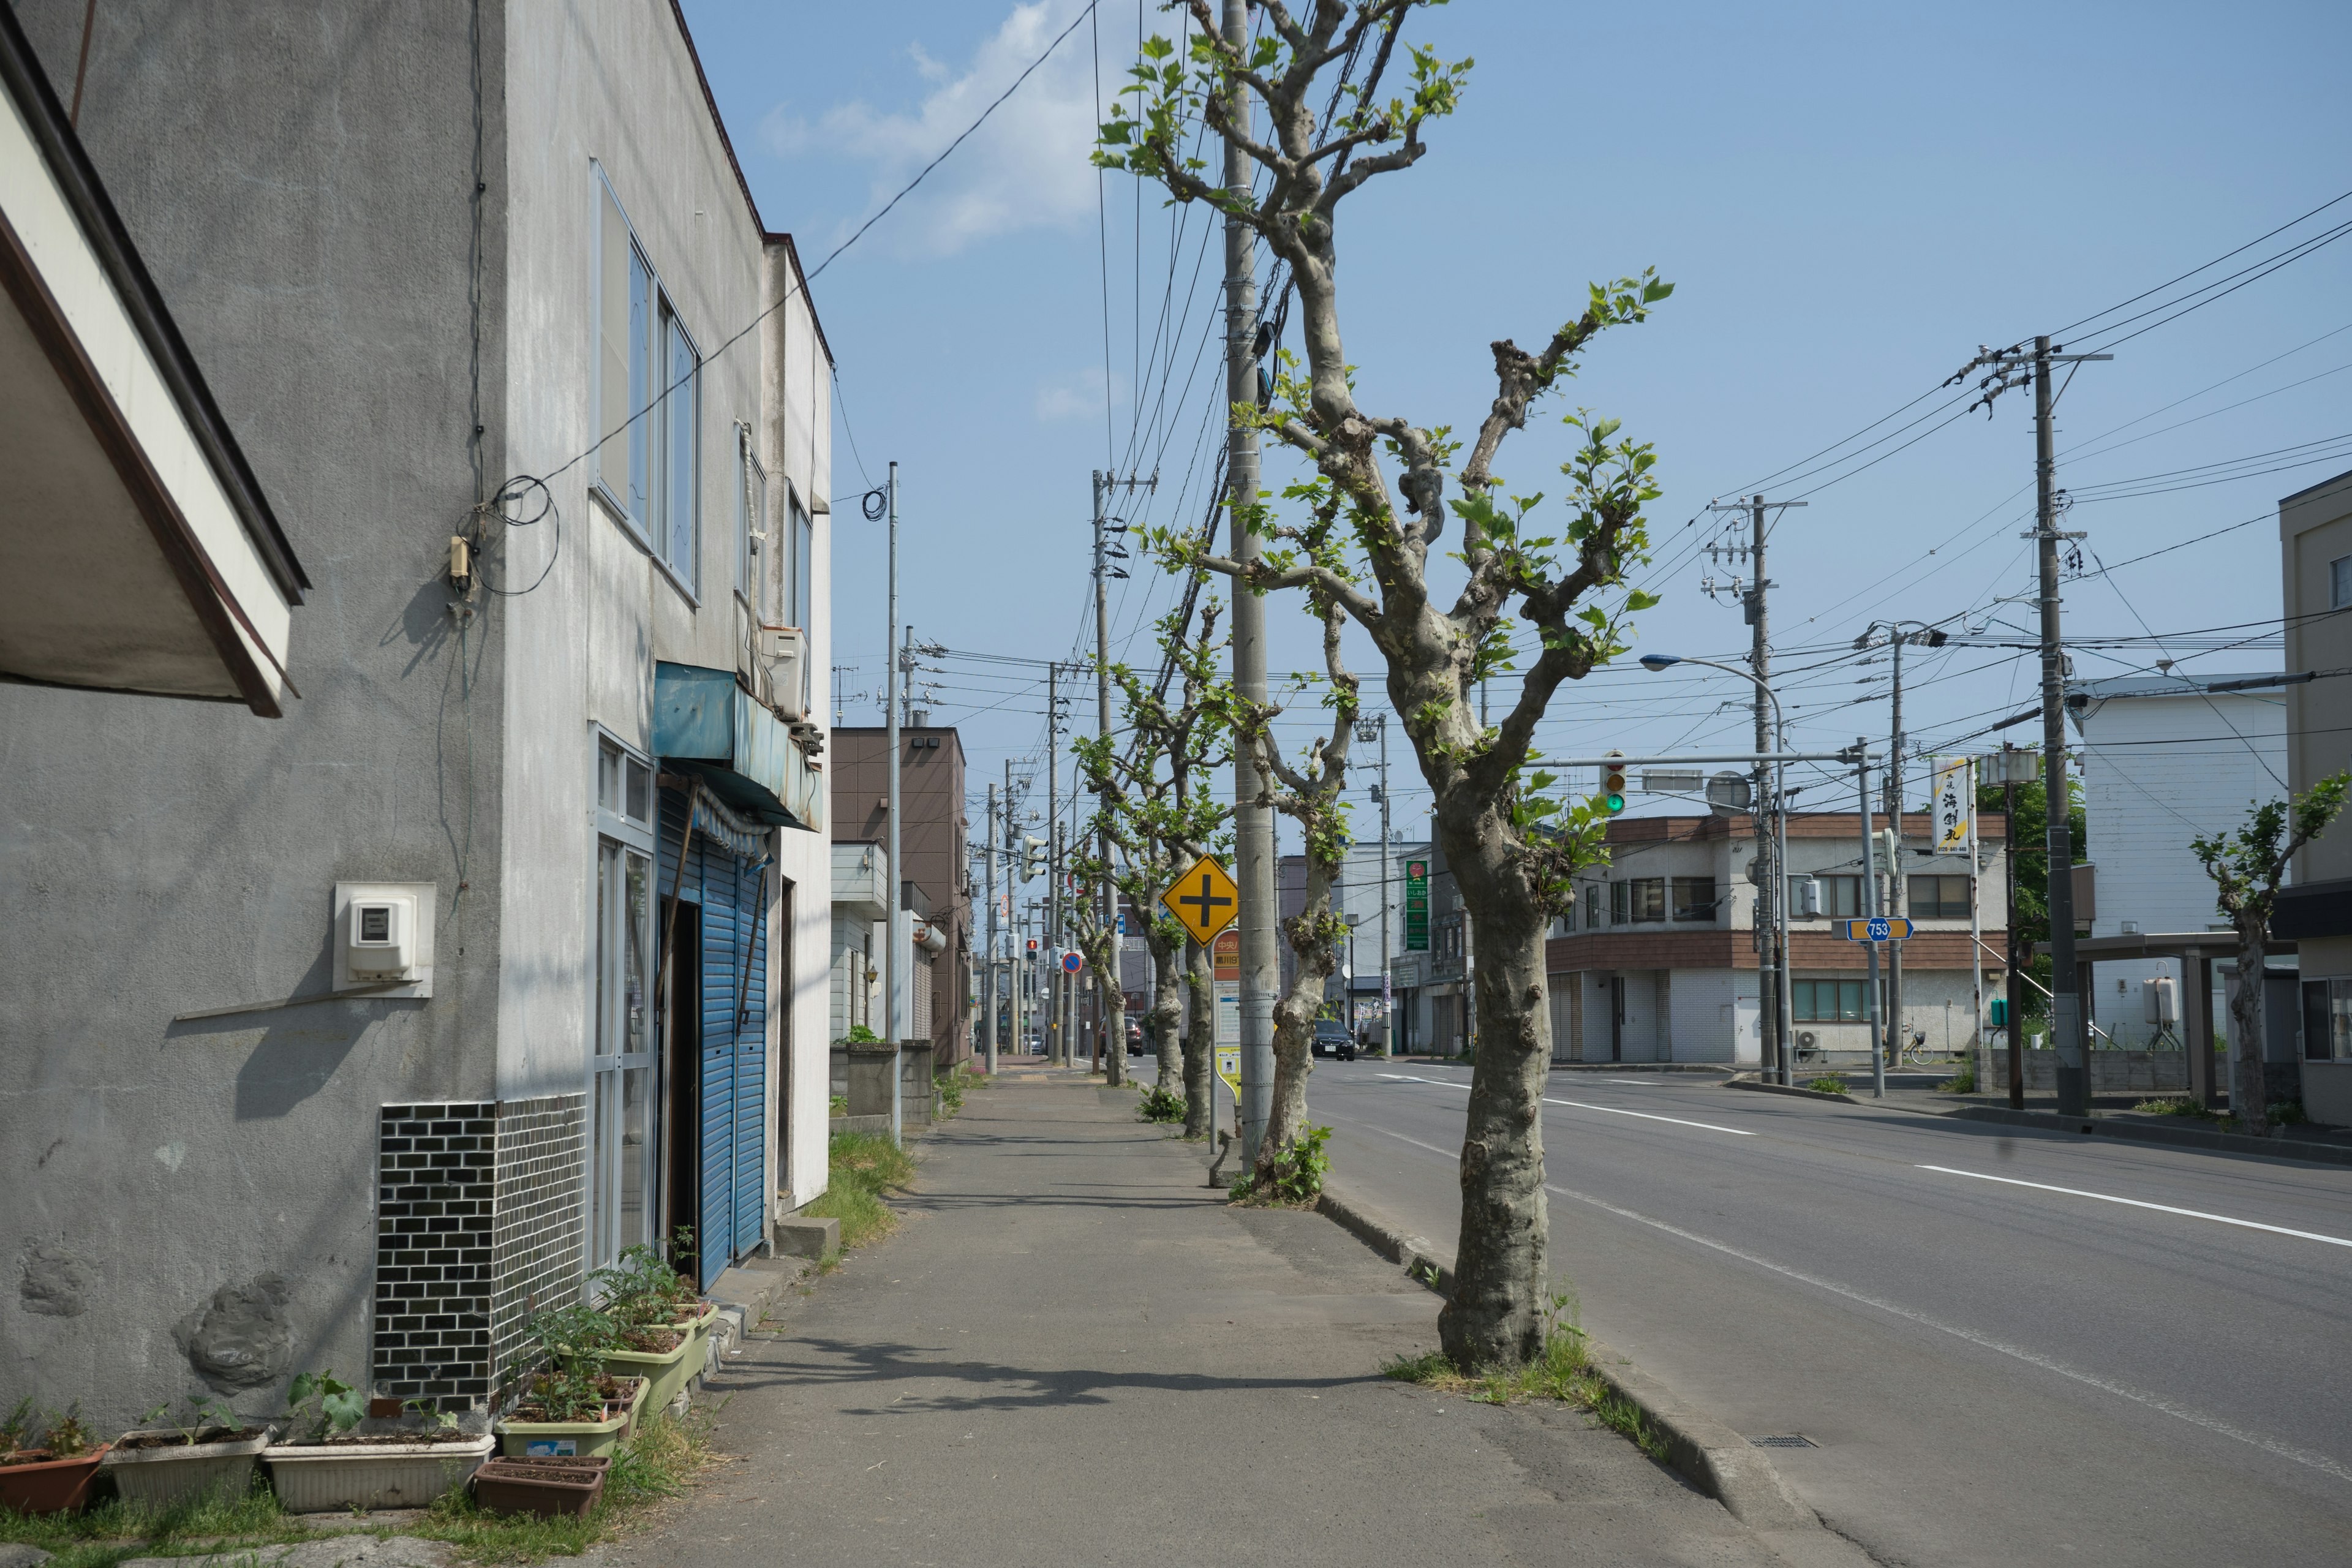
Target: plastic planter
[[573, 1439], [548, 1488], [177, 1472], [49, 1486], [665, 1374], [338, 1476]]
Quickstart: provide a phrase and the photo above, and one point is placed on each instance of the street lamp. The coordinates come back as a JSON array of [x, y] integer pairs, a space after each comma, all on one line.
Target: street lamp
[[1775, 884]]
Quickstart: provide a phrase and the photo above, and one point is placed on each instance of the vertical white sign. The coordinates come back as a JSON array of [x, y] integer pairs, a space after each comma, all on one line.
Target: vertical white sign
[[1955, 796]]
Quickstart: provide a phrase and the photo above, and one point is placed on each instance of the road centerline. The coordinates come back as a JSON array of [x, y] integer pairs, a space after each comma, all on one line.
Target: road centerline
[[1583, 1105], [2142, 1203]]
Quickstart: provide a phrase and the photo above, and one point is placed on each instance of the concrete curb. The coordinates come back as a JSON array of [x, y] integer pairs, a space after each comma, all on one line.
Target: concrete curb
[[1704, 1451], [2149, 1132], [1762, 1088]]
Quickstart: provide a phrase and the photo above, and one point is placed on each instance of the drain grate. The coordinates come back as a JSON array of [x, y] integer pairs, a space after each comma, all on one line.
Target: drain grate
[[1787, 1440]]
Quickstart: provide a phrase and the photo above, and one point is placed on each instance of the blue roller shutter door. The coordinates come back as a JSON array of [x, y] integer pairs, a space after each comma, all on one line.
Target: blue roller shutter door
[[731, 1174]]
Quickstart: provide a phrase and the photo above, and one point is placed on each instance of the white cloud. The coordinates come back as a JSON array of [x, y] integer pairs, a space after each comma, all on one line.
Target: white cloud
[[1078, 396], [1027, 168]]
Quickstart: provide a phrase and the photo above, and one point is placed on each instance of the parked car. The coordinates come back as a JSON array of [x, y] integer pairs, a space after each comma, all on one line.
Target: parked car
[[1332, 1040], [1135, 1039]]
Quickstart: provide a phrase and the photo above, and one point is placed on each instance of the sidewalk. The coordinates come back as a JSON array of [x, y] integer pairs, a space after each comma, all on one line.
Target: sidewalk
[[1075, 1352]]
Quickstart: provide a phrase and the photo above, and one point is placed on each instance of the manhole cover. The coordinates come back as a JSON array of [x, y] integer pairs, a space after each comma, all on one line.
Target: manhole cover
[[1789, 1440]]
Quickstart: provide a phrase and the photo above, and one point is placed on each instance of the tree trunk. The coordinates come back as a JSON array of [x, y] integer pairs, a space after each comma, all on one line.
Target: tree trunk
[[1113, 1008], [1165, 1021], [1294, 1058], [1200, 1043], [2249, 1094], [1494, 1317]]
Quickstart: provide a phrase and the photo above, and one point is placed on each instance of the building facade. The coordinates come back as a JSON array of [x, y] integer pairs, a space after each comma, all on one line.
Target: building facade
[[2315, 559], [935, 883], [541, 403], [1658, 962]]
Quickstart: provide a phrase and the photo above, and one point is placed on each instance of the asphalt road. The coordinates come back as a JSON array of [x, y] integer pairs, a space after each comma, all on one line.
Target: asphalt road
[[2005, 1346]]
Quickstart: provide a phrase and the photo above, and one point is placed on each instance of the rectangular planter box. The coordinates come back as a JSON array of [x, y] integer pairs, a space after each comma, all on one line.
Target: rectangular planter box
[[571, 1439], [548, 1487], [49, 1486], [162, 1476], [338, 1476]]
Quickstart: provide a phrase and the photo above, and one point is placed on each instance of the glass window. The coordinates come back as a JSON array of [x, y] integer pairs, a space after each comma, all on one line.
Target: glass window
[[681, 426], [1826, 1001], [1647, 896], [623, 1128], [2339, 1019], [646, 400], [1841, 896], [616, 358], [1693, 897], [1591, 906], [752, 526], [1939, 897], [642, 446], [1620, 911], [800, 586], [2339, 581]]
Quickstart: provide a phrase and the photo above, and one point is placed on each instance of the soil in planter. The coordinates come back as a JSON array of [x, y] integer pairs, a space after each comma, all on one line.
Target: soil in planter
[[178, 1440], [34, 1456], [387, 1439], [652, 1341]]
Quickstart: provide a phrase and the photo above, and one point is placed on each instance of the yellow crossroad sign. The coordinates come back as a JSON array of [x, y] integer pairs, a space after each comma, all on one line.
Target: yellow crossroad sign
[[1229, 1068], [1204, 898]]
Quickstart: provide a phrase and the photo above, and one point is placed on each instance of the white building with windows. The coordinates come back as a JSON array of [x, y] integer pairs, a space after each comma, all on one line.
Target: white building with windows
[[1659, 962], [541, 404]]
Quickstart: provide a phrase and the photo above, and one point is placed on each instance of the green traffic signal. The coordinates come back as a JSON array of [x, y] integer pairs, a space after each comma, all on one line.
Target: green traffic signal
[[1615, 802]]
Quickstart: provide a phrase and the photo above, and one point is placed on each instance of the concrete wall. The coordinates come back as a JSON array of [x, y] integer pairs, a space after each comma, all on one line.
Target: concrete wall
[[298, 181]]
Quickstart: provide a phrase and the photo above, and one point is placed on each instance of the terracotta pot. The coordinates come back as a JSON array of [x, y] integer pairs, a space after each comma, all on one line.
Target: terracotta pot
[[548, 1488], [49, 1486]]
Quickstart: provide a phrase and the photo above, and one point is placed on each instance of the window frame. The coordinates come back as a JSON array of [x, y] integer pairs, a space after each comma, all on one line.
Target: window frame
[[1804, 1001], [625, 829], [1831, 884], [1619, 907], [1943, 910], [1676, 906], [751, 522], [1646, 894], [646, 499], [2339, 583]]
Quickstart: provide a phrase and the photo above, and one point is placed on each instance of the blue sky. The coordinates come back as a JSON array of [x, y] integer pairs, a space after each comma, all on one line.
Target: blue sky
[[1849, 198]]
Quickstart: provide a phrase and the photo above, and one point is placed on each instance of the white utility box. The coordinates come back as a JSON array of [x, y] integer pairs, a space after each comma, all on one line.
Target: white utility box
[[384, 938]]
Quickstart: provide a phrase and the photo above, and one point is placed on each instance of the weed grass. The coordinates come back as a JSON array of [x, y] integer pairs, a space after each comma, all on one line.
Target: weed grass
[[661, 1462], [1963, 1081], [1564, 1372], [863, 1167], [1828, 1083]]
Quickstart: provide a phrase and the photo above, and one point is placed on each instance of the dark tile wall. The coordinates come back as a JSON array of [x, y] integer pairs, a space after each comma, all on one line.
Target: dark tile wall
[[434, 1213], [479, 1220]]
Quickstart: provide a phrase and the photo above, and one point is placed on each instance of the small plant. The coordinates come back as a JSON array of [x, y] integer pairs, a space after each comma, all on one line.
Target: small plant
[[68, 1438], [1159, 1104], [1299, 1167], [13, 1430], [643, 1296], [2171, 1105], [1964, 1081], [440, 1423], [204, 1416], [2287, 1112], [569, 1387], [837, 1105], [949, 1085], [1828, 1083], [860, 1034], [331, 1404]]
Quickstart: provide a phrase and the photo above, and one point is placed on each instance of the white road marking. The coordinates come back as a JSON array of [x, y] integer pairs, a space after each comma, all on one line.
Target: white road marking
[[2135, 1202], [2156, 1402], [1582, 1105]]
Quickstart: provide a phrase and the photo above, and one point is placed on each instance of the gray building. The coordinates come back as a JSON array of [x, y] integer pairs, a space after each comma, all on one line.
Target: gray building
[[346, 1039]]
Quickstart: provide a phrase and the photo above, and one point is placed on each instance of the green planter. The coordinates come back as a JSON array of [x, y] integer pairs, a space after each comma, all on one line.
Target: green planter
[[573, 1439], [670, 1373]]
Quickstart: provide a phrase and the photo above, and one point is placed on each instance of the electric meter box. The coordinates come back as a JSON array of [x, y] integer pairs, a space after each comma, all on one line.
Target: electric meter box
[[1806, 898], [384, 938]]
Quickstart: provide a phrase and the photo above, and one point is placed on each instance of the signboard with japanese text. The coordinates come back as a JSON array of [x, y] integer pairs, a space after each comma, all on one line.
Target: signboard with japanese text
[[1955, 806], [1416, 906]]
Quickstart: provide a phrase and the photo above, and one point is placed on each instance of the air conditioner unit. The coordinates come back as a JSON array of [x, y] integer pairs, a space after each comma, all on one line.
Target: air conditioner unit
[[1807, 1040], [784, 652]]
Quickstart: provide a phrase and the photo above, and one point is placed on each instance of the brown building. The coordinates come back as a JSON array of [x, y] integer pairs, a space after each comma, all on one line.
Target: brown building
[[933, 880]]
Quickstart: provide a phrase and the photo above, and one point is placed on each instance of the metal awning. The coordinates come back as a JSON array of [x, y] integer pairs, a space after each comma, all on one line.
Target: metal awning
[[137, 552], [2222, 944], [706, 724]]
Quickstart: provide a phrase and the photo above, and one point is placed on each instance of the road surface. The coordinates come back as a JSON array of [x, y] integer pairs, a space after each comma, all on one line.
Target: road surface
[[2005, 1346]]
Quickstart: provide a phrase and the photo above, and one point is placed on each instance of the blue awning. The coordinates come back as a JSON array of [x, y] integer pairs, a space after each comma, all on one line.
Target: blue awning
[[706, 724]]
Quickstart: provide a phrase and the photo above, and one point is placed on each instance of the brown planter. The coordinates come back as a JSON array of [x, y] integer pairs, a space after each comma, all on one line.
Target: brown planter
[[49, 1486], [548, 1487]]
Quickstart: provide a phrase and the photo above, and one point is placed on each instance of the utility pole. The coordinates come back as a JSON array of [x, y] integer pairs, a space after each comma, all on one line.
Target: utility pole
[[988, 977], [1115, 1068], [1253, 824], [2008, 368], [891, 966], [1054, 1041], [1870, 899], [1771, 925], [2014, 979], [1379, 725]]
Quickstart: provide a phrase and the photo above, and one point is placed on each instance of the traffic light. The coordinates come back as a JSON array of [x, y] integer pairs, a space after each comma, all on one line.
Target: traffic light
[[1613, 783], [1032, 857]]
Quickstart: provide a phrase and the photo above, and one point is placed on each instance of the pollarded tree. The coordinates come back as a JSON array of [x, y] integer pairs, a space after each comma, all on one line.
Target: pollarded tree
[[1163, 816], [1309, 794], [1511, 843], [2247, 868]]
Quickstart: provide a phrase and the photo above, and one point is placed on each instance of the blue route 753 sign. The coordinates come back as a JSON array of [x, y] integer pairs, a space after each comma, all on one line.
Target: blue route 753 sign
[[1879, 928]]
